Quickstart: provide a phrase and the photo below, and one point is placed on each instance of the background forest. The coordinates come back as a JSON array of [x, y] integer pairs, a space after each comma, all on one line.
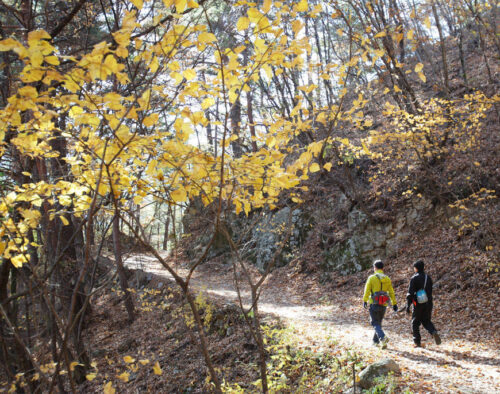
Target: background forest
[[152, 148]]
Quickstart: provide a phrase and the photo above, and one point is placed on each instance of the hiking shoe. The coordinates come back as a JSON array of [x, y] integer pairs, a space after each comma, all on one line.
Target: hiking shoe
[[437, 338], [375, 344], [384, 342], [415, 345]]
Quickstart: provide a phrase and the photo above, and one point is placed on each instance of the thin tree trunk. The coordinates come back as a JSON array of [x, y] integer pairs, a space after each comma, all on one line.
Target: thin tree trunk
[[260, 343], [129, 304], [251, 121], [443, 49], [165, 234], [462, 56]]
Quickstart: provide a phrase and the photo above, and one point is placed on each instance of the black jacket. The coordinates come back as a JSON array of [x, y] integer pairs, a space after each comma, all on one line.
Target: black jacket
[[416, 283]]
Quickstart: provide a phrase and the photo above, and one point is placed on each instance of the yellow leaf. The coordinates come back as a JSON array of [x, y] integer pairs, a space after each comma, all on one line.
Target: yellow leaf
[[37, 35], [36, 57], [180, 5], [137, 200], [207, 103], [422, 77], [108, 388], [254, 15], [380, 34], [128, 359], [242, 23], [124, 377], [144, 362], [266, 6], [410, 34], [18, 261], [153, 66], [302, 6], [314, 167], [206, 37], [475, 224], [9, 44], [137, 3], [150, 120], [419, 67], [179, 195], [28, 92], [189, 74], [53, 60], [260, 45], [90, 376], [64, 220], [3, 245], [427, 22], [365, 148], [328, 166], [73, 365], [297, 26], [157, 369]]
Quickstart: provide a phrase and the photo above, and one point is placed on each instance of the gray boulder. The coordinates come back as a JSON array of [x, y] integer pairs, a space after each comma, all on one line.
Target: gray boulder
[[369, 374]]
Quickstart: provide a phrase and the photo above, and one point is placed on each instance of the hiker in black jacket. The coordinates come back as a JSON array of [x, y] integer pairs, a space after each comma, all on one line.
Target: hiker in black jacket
[[422, 304]]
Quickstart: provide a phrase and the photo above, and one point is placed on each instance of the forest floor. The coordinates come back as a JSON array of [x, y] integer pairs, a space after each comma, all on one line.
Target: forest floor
[[468, 360]]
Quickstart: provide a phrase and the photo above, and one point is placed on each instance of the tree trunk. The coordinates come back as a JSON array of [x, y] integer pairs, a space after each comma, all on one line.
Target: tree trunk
[[129, 304], [165, 234], [443, 49]]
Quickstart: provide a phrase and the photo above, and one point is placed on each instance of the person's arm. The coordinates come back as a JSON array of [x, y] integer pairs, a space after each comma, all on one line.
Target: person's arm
[[368, 290], [392, 294], [411, 292]]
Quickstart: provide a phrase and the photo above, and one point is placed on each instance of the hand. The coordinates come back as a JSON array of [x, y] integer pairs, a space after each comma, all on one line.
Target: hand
[[408, 309], [365, 305], [395, 308]]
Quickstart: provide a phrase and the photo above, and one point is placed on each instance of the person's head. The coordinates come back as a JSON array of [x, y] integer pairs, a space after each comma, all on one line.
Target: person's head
[[378, 265], [419, 266]]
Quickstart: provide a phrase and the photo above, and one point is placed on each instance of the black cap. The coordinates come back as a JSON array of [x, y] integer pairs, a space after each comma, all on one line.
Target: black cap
[[419, 265], [378, 264]]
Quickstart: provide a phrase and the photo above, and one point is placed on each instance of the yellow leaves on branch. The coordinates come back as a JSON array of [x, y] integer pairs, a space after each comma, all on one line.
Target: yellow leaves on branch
[[106, 126]]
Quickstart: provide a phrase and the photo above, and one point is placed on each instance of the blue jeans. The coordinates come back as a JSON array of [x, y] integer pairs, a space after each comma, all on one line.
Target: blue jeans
[[377, 313]]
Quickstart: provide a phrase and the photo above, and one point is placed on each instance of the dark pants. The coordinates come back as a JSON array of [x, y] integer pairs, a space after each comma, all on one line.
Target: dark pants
[[377, 313], [421, 315]]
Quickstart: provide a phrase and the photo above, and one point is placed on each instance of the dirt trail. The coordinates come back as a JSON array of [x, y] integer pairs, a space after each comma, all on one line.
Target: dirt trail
[[456, 366]]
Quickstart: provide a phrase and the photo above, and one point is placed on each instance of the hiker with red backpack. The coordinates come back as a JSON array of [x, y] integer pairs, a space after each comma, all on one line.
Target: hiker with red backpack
[[420, 296], [378, 293]]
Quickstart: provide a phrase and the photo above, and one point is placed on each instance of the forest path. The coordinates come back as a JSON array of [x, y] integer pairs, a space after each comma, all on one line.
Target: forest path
[[456, 366]]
